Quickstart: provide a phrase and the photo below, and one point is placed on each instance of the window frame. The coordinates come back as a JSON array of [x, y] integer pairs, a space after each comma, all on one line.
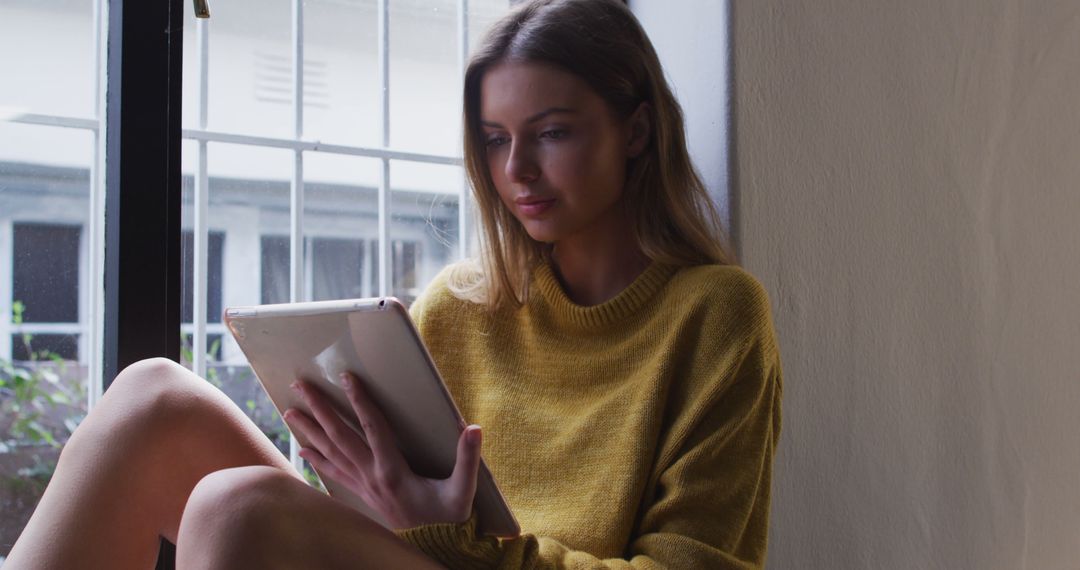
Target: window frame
[[142, 142]]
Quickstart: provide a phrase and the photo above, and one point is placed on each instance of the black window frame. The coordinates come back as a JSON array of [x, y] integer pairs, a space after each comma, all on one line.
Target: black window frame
[[142, 183], [142, 188]]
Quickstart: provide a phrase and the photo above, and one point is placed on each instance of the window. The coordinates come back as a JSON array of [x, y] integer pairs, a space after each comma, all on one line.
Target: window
[[46, 253], [342, 138], [337, 269], [51, 229], [274, 256], [270, 148], [216, 241]]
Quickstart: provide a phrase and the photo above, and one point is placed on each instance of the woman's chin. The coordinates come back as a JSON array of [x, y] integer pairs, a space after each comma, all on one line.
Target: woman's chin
[[541, 232], [542, 238]]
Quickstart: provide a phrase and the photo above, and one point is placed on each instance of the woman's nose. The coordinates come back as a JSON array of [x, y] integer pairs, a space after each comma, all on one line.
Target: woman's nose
[[521, 165]]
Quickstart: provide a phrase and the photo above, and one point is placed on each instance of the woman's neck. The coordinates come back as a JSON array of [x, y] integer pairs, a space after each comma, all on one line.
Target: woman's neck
[[594, 269]]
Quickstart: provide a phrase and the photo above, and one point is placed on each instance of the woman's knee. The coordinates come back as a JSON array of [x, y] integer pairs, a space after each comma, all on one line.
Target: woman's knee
[[149, 377], [157, 389], [146, 400], [232, 510]]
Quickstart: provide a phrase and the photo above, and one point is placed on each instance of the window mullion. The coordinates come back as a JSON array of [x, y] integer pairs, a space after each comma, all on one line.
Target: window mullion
[[384, 164], [200, 231], [7, 260], [95, 227], [296, 193], [314, 146]]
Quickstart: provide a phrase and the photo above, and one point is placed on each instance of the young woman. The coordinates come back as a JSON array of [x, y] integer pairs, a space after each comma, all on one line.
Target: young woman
[[625, 372]]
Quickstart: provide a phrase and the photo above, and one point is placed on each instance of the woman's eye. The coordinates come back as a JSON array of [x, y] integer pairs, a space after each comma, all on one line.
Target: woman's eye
[[496, 141], [555, 134]]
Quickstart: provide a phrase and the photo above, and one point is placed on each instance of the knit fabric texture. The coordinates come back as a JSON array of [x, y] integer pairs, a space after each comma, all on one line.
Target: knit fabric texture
[[638, 433]]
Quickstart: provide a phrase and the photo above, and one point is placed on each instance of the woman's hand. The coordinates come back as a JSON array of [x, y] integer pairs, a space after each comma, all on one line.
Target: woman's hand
[[376, 470]]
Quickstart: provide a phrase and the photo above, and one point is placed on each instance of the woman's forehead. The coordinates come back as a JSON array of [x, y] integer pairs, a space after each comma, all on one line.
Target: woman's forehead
[[518, 91]]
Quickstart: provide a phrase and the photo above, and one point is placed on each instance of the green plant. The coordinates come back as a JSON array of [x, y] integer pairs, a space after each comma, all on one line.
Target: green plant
[[187, 355], [33, 389]]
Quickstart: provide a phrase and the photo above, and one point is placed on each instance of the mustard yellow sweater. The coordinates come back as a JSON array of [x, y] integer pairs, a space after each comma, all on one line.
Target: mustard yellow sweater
[[638, 433]]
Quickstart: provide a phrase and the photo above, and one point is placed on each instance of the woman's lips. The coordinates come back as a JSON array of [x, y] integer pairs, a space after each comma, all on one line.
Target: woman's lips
[[533, 208]]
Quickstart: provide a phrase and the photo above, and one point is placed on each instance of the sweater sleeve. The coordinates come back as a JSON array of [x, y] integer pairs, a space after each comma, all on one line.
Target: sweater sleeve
[[712, 491]]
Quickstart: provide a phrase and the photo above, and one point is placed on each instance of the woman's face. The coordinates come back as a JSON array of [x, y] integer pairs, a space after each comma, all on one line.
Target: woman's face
[[555, 150]]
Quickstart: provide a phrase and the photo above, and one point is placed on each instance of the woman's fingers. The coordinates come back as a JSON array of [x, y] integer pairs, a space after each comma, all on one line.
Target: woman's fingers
[[380, 437], [317, 437], [462, 483], [341, 441], [324, 466]]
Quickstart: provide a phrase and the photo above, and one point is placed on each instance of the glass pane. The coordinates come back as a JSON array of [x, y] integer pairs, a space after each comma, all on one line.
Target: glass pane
[[249, 68], [483, 13], [424, 224], [215, 245], [31, 347], [274, 262], [46, 253], [48, 57], [44, 272], [341, 225], [341, 71], [189, 114], [248, 198], [425, 77]]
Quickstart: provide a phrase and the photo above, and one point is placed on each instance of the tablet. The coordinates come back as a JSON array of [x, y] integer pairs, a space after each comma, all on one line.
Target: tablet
[[375, 340]]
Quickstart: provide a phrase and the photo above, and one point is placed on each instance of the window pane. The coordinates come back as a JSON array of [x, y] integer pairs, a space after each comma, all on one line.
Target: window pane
[[248, 208], [47, 254], [274, 260], [424, 207], [483, 13], [44, 206], [48, 57], [425, 77], [213, 348], [249, 68], [215, 244], [337, 268], [248, 199], [341, 71], [341, 223], [44, 300], [42, 347]]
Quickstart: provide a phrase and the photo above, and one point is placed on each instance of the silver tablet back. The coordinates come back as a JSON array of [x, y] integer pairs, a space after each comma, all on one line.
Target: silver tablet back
[[375, 340]]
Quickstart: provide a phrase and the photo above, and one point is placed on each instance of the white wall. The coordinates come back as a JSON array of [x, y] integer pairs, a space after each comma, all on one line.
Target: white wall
[[691, 40], [909, 190]]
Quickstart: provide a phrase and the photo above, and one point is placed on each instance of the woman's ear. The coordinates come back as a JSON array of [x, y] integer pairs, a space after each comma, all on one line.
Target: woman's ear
[[640, 130]]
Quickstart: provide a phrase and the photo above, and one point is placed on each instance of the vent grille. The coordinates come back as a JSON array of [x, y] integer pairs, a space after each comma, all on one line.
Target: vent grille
[[273, 80]]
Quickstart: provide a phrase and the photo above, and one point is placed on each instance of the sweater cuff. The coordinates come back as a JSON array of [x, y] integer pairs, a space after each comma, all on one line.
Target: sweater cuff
[[455, 544]]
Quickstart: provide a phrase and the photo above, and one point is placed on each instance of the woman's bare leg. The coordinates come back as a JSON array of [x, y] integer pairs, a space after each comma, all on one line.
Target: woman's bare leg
[[261, 517], [164, 445], [125, 475]]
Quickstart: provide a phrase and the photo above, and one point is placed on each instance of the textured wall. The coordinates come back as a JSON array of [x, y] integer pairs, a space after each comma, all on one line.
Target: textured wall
[[909, 178]]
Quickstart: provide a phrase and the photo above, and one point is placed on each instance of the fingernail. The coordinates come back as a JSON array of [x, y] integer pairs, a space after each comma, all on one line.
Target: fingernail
[[346, 381], [474, 436]]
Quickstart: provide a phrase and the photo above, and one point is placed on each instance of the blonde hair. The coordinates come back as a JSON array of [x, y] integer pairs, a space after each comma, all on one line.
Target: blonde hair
[[600, 41]]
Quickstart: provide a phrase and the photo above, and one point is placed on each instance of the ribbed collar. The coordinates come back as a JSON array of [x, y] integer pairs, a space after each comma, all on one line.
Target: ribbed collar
[[629, 301]]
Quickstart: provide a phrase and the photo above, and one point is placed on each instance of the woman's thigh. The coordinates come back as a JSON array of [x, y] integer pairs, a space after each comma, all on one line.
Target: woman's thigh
[[131, 466], [260, 517]]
